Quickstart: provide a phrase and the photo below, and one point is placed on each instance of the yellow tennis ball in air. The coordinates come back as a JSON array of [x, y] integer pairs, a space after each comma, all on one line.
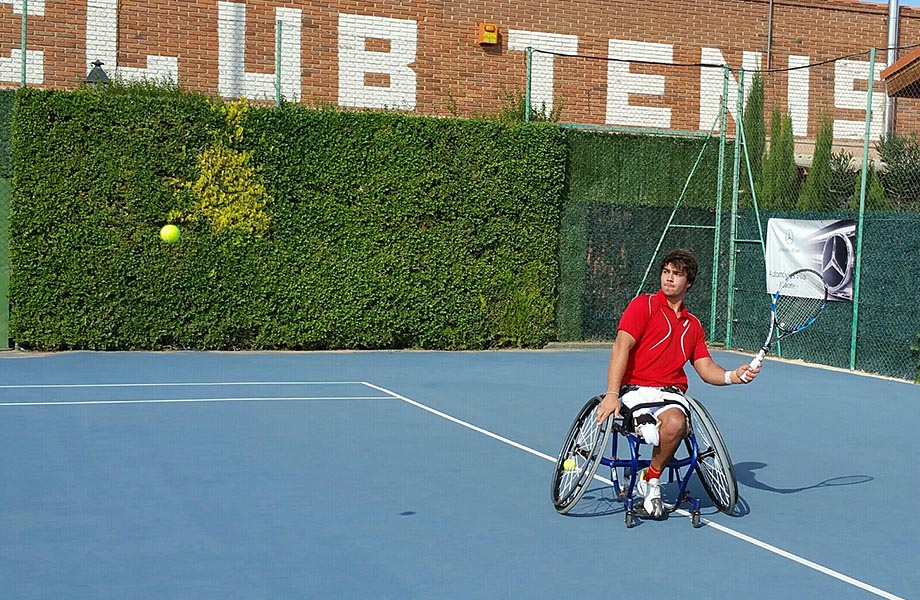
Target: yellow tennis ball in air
[[569, 464], [169, 233]]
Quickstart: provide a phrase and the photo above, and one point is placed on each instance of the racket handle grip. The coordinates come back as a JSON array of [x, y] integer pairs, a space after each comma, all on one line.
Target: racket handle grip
[[755, 362]]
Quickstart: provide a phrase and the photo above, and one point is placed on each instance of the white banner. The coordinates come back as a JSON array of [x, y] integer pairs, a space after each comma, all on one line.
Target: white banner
[[828, 247]]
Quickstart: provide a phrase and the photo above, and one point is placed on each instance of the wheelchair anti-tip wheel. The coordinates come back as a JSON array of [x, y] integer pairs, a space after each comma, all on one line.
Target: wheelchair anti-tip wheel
[[714, 465], [580, 456]]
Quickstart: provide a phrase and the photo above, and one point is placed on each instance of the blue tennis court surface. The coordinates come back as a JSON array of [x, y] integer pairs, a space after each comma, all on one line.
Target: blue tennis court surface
[[427, 475]]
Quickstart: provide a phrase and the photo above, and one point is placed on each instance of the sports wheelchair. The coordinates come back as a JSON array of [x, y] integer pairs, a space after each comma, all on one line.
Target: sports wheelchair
[[584, 451]]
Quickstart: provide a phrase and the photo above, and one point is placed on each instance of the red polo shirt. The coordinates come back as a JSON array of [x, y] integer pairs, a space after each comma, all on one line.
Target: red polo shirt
[[665, 342]]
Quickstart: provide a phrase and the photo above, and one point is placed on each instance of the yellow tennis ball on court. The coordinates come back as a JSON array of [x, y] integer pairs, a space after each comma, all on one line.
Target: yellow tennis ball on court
[[569, 464], [169, 233]]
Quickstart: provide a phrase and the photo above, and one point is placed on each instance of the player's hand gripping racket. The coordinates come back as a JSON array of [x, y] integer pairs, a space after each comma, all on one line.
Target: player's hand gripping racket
[[796, 305]]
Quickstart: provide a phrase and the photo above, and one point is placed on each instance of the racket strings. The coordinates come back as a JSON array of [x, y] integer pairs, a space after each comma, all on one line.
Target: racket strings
[[793, 313]]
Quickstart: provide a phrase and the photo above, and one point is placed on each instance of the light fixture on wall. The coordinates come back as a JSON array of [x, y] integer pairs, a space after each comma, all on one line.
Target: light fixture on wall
[[96, 74]]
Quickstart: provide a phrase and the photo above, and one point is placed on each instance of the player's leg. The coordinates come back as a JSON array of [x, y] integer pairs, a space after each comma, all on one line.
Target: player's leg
[[672, 429]]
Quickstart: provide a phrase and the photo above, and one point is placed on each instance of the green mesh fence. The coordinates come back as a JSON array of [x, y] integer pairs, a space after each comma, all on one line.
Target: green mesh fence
[[621, 195], [620, 242], [825, 157], [6, 117], [810, 151], [888, 318]]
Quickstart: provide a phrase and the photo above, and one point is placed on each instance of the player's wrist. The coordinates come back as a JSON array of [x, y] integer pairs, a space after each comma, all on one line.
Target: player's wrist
[[728, 377]]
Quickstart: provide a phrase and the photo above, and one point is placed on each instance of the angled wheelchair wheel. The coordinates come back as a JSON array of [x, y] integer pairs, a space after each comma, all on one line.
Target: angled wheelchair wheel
[[579, 456], [714, 466]]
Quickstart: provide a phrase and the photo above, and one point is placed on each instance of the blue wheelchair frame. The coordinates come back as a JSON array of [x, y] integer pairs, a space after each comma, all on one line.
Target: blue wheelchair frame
[[586, 448], [634, 465]]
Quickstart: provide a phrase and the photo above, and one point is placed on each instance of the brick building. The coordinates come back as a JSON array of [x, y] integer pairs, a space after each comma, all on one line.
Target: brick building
[[425, 56]]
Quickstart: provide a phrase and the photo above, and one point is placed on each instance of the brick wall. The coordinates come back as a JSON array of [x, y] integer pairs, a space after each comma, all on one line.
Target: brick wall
[[422, 55]]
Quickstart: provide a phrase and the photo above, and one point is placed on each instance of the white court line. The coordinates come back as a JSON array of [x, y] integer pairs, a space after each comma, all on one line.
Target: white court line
[[741, 536], [171, 384], [184, 400], [198, 400]]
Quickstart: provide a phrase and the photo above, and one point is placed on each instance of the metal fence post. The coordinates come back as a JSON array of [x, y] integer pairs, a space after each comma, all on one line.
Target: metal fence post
[[278, 25], [862, 210], [25, 28], [719, 183], [527, 85]]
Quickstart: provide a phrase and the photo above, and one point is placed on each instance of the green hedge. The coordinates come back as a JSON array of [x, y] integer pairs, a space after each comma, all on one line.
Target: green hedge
[[6, 116], [301, 229]]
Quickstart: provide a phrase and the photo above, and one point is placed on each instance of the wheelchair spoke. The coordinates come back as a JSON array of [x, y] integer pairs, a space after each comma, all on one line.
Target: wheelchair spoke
[[584, 445], [714, 465], [707, 453], [718, 483]]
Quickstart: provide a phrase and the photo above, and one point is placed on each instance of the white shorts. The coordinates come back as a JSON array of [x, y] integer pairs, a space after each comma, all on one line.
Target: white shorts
[[656, 396]]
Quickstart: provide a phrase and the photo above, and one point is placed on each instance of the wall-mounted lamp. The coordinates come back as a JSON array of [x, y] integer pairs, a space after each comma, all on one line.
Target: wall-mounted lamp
[[96, 74]]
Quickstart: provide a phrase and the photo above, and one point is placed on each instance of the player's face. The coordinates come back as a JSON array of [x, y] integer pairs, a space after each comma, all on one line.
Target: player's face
[[674, 281]]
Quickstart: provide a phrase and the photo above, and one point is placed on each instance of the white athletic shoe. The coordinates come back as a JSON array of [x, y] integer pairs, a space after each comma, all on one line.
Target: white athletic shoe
[[651, 492], [642, 484]]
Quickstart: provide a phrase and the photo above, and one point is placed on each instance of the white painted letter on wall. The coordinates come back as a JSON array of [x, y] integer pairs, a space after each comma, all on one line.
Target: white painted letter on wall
[[712, 83], [621, 83], [797, 94], [233, 81], [102, 45], [541, 65], [846, 73], [377, 78], [11, 68], [36, 7]]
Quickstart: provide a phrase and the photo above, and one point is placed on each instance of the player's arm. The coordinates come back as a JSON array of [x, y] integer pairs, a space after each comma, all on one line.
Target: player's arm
[[710, 372], [619, 356]]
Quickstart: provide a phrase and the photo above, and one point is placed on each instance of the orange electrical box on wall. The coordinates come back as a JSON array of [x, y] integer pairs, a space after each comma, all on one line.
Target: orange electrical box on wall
[[488, 34]]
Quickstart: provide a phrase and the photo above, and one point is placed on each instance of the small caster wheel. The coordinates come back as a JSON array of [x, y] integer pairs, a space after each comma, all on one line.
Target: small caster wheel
[[695, 519], [630, 516]]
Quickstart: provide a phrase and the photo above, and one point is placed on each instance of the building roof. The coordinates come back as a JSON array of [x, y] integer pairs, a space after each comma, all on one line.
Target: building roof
[[902, 79]]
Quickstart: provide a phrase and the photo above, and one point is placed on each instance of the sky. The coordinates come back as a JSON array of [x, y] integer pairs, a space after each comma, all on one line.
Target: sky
[[915, 3], [900, 3]]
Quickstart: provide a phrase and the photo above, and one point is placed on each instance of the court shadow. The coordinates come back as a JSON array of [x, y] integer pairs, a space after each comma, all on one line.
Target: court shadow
[[602, 501], [708, 507], [597, 502], [742, 508], [746, 476]]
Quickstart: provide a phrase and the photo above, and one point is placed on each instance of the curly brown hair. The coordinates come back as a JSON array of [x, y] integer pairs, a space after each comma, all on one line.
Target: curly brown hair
[[683, 259]]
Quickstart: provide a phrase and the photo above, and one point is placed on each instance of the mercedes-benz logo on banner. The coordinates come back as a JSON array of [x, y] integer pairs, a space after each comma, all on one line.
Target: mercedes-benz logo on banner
[[837, 258], [837, 262]]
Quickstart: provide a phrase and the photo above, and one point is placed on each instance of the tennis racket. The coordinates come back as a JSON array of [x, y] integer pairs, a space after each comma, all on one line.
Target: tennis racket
[[796, 306]]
